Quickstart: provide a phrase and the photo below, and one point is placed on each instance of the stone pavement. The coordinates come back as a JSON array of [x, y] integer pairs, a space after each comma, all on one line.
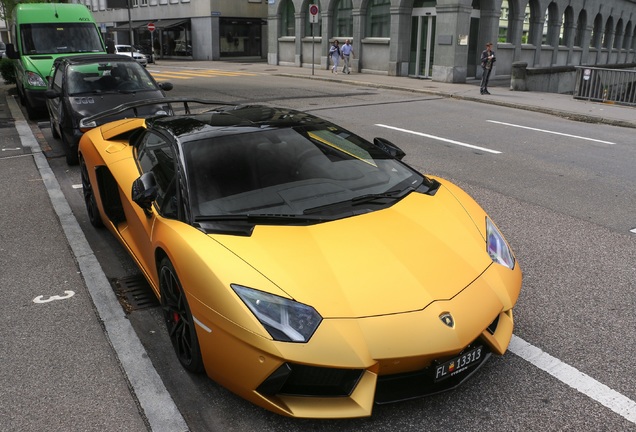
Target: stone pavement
[[70, 359]]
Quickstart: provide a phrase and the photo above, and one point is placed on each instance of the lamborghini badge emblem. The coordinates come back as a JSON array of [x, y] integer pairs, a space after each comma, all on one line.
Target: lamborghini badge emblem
[[447, 319]]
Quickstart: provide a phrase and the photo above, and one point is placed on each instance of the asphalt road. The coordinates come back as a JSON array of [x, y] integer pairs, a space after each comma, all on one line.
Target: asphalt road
[[563, 193]]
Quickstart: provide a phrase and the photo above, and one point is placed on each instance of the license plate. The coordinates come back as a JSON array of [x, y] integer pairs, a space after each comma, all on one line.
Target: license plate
[[458, 364]]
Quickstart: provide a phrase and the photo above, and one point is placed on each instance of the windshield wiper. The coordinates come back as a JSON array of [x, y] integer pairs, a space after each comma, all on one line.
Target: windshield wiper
[[361, 199]]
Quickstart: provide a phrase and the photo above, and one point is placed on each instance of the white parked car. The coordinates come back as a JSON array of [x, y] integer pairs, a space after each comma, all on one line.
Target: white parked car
[[132, 52]]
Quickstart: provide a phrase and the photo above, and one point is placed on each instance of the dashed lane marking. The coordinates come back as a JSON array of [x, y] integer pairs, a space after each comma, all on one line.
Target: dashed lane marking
[[446, 140], [576, 379], [551, 132]]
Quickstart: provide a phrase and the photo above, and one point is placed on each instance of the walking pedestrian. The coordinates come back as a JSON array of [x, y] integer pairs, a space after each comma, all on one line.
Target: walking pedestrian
[[335, 54], [347, 55], [487, 61]]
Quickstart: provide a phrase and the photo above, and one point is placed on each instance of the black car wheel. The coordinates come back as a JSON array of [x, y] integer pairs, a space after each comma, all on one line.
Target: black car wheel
[[89, 197], [53, 129], [176, 314], [72, 157]]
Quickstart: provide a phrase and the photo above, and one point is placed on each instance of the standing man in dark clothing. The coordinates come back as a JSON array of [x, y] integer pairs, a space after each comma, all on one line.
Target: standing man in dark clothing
[[487, 61]]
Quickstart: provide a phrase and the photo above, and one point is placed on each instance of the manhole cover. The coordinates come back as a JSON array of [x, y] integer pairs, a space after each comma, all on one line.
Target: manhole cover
[[134, 293]]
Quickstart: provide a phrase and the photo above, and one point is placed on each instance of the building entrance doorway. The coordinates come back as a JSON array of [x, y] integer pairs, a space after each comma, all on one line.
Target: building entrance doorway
[[422, 40]]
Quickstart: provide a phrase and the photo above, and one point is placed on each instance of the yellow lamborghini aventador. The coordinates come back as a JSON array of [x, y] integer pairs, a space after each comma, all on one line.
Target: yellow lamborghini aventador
[[302, 267]]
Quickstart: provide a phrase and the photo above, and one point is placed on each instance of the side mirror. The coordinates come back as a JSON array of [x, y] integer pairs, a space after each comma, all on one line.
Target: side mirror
[[144, 191], [166, 86], [52, 94], [389, 148], [11, 52]]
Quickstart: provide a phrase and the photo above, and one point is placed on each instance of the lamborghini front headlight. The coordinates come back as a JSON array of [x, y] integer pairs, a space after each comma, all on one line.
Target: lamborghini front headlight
[[497, 246], [284, 319]]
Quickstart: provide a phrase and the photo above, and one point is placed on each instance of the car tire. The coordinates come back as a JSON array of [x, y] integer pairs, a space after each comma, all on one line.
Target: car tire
[[53, 130], [178, 319], [89, 197], [72, 158], [32, 112]]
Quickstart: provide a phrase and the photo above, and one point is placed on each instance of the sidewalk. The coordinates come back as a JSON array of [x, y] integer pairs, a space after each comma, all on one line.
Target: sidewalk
[[560, 105], [70, 358]]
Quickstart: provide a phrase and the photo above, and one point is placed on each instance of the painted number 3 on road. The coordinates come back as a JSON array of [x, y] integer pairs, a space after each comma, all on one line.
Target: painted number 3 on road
[[41, 299]]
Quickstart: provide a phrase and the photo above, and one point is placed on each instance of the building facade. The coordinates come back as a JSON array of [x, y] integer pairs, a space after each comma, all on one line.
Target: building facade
[[440, 40], [443, 39], [186, 29]]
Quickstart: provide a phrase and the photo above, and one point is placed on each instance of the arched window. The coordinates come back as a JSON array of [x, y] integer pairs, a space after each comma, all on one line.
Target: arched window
[[505, 18], [628, 36], [597, 32], [379, 18], [535, 28], [618, 37], [581, 24], [287, 20], [551, 25], [565, 34], [607, 34], [343, 19]]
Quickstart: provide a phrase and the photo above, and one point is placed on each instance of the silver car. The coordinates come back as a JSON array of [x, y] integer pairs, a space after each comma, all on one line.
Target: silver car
[[132, 52]]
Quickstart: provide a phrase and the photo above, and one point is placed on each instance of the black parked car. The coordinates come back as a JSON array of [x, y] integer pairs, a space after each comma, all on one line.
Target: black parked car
[[84, 85]]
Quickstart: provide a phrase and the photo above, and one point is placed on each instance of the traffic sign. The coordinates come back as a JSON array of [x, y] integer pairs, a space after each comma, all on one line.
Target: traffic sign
[[313, 13], [151, 27]]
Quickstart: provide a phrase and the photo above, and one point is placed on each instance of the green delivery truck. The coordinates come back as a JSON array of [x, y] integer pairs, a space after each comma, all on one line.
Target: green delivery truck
[[42, 32]]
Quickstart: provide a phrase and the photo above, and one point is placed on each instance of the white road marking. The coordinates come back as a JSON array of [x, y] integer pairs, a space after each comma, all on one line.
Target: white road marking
[[633, 230], [441, 139], [41, 299], [551, 132], [576, 379]]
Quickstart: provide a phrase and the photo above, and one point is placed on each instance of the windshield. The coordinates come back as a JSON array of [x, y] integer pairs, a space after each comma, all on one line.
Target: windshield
[[115, 76], [52, 38], [291, 171]]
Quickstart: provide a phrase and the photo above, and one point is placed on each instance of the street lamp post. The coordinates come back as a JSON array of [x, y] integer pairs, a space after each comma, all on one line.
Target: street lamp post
[[130, 23]]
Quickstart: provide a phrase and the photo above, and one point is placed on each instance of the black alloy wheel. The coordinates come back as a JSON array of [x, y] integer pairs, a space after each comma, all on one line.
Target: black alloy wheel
[[89, 197], [176, 314]]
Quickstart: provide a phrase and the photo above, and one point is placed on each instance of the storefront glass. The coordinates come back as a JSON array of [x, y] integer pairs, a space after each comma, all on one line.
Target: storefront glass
[[241, 37]]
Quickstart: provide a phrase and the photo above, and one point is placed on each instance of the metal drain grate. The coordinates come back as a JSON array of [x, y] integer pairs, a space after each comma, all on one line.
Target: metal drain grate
[[134, 293]]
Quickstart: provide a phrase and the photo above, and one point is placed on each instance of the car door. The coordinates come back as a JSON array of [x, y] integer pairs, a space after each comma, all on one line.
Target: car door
[[154, 154], [56, 105]]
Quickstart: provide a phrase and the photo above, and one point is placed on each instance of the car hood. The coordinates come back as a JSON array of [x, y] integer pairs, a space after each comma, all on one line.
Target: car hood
[[395, 260], [40, 64], [91, 104]]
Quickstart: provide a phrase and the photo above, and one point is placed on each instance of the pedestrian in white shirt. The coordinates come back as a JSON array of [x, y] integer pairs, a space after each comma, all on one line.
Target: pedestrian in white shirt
[[347, 55]]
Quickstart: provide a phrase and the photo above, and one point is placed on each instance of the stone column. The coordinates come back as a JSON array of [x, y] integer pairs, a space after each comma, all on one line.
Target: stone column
[[300, 31], [272, 36], [451, 59], [400, 36]]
